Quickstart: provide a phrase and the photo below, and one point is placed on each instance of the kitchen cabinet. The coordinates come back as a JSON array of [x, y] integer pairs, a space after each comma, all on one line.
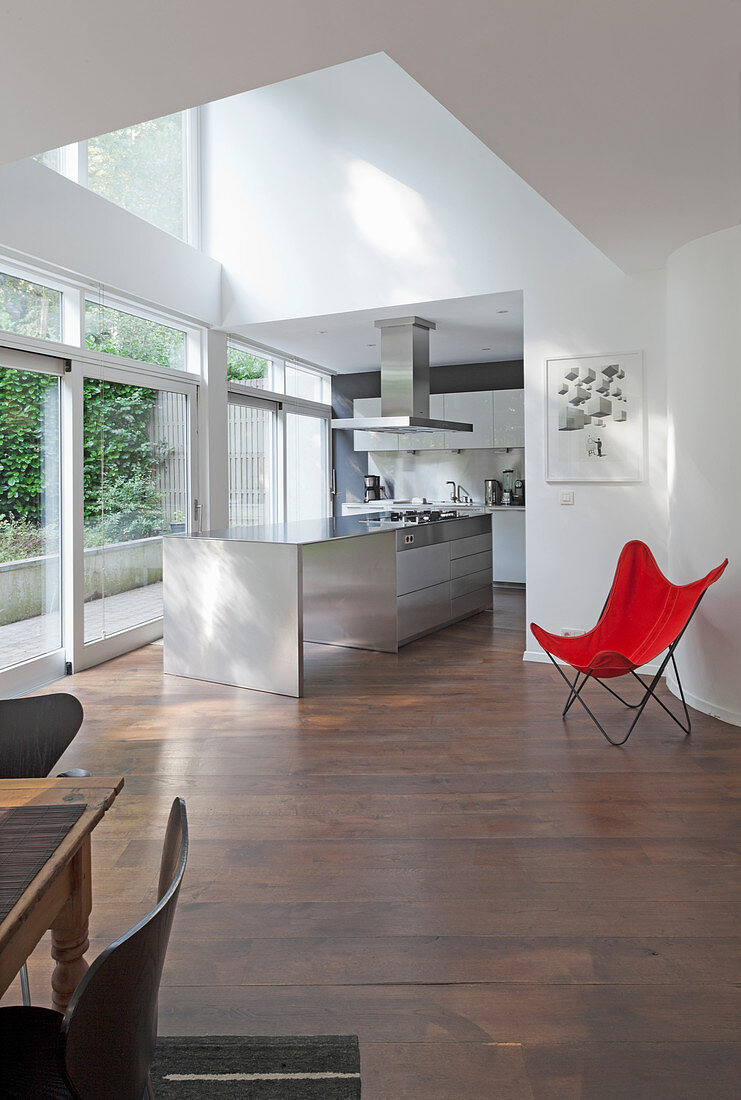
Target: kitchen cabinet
[[497, 417], [508, 418], [404, 441], [372, 441], [508, 545], [470, 408], [439, 582], [426, 441]]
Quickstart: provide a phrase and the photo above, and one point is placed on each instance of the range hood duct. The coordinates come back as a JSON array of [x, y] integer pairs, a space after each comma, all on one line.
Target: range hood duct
[[405, 382]]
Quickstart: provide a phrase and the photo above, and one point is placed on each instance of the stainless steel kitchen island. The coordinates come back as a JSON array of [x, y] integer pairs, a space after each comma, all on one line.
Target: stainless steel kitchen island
[[238, 604]]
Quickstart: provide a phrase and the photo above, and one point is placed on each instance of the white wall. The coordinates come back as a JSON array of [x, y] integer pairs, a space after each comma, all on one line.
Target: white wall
[[50, 218], [353, 188], [704, 398]]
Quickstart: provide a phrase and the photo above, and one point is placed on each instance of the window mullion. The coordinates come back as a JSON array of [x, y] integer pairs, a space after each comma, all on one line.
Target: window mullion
[[73, 567], [82, 163]]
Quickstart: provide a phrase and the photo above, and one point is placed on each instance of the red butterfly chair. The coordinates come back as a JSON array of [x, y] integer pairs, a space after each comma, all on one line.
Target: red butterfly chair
[[644, 615]]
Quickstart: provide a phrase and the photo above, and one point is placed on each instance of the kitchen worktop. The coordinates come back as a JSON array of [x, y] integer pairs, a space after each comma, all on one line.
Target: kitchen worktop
[[415, 506], [313, 531], [508, 534], [240, 603]]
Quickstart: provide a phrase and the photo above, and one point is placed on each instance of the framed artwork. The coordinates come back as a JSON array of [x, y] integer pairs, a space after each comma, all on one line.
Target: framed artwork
[[595, 418]]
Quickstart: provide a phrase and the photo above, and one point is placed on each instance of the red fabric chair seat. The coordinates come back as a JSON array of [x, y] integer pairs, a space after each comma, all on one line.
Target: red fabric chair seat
[[644, 614]]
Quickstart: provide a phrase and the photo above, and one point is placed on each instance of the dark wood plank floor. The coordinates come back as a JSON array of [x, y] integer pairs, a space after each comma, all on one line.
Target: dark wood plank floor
[[421, 852]]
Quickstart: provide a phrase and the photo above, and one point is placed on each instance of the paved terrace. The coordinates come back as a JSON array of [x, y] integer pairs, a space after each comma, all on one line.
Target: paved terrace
[[32, 637]]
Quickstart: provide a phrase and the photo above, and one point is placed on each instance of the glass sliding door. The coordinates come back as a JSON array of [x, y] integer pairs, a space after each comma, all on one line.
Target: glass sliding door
[[252, 459], [136, 488], [30, 516], [307, 467]]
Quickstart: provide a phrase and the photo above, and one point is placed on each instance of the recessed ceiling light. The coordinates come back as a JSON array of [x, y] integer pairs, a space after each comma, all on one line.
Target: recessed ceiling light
[[486, 349], [321, 332], [502, 311], [370, 345]]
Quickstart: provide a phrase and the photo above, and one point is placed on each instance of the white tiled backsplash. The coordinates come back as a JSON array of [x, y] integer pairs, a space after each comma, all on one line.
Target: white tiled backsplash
[[424, 474]]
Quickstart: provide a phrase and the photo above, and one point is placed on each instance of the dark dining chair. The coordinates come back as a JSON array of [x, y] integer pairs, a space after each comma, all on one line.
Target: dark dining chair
[[34, 732], [102, 1048]]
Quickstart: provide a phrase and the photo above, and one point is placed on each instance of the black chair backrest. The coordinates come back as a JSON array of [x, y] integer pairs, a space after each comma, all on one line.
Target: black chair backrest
[[35, 732], [110, 1027]]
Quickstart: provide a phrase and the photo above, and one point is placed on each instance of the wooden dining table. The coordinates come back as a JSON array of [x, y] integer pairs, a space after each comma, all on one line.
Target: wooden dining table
[[59, 897]]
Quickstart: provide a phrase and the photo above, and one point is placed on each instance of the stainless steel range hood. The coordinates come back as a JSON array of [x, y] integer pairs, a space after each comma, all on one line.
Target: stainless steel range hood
[[405, 382]]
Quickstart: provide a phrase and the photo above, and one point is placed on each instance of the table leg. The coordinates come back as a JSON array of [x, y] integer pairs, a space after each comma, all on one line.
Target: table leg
[[69, 932]]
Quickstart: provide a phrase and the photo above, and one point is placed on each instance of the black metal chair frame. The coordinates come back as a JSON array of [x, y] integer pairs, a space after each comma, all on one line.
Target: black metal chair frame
[[649, 689]]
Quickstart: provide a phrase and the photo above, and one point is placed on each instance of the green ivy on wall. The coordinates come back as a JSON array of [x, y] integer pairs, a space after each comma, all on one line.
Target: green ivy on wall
[[119, 455], [29, 415]]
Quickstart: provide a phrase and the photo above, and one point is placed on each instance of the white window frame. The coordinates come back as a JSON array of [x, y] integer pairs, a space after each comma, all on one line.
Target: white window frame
[[73, 163], [86, 654], [79, 362], [32, 673], [99, 297], [69, 316], [282, 403], [272, 404]]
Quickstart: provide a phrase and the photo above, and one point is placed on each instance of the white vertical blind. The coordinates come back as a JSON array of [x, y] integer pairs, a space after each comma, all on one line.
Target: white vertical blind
[[169, 427], [251, 473]]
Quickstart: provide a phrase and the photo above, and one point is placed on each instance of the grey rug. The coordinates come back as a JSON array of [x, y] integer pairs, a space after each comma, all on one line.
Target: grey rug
[[227, 1067]]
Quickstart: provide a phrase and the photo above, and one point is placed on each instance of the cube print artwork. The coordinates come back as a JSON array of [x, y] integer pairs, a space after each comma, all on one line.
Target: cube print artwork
[[595, 418], [578, 395]]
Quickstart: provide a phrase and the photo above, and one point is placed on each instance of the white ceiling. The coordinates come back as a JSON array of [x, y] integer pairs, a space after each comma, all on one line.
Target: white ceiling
[[623, 115], [484, 329]]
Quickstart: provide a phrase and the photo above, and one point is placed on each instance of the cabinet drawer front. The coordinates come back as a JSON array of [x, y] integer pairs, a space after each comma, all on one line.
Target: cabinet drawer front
[[462, 585], [422, 568], [478, 600], [424, 610], [476, 544], [473, 563]]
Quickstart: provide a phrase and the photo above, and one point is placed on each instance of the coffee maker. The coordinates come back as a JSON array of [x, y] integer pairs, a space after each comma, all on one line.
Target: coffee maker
[[508, 486], [518, 493], [373, 490]]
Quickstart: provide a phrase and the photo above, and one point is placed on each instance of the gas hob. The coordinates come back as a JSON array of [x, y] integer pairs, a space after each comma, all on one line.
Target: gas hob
[[412, 518]]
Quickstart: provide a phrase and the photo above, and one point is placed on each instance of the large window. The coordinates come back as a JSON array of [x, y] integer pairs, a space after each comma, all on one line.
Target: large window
[[144, 168], [278, 444], [115, 332], [244, 365], [30, 535], [52, 159], [98, 460], [30, 309], [307, 466], [253, 475], [308, 384], [136, 489]]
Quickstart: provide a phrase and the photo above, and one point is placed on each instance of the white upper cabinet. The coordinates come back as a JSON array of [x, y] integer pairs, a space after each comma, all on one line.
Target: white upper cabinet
[[509, 418], [426, 441], [372, 441], [497, 417], [470, 408]]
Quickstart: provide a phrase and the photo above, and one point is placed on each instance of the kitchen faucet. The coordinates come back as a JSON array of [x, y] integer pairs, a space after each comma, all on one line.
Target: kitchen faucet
[[453, 495], [461, 494]]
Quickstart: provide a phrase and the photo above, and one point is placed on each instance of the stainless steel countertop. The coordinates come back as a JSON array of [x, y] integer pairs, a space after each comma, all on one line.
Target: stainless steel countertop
[[317, 530], [416, 506]]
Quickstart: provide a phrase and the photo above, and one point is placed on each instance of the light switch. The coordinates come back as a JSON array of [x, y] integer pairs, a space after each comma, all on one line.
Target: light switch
[[567, 496]]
